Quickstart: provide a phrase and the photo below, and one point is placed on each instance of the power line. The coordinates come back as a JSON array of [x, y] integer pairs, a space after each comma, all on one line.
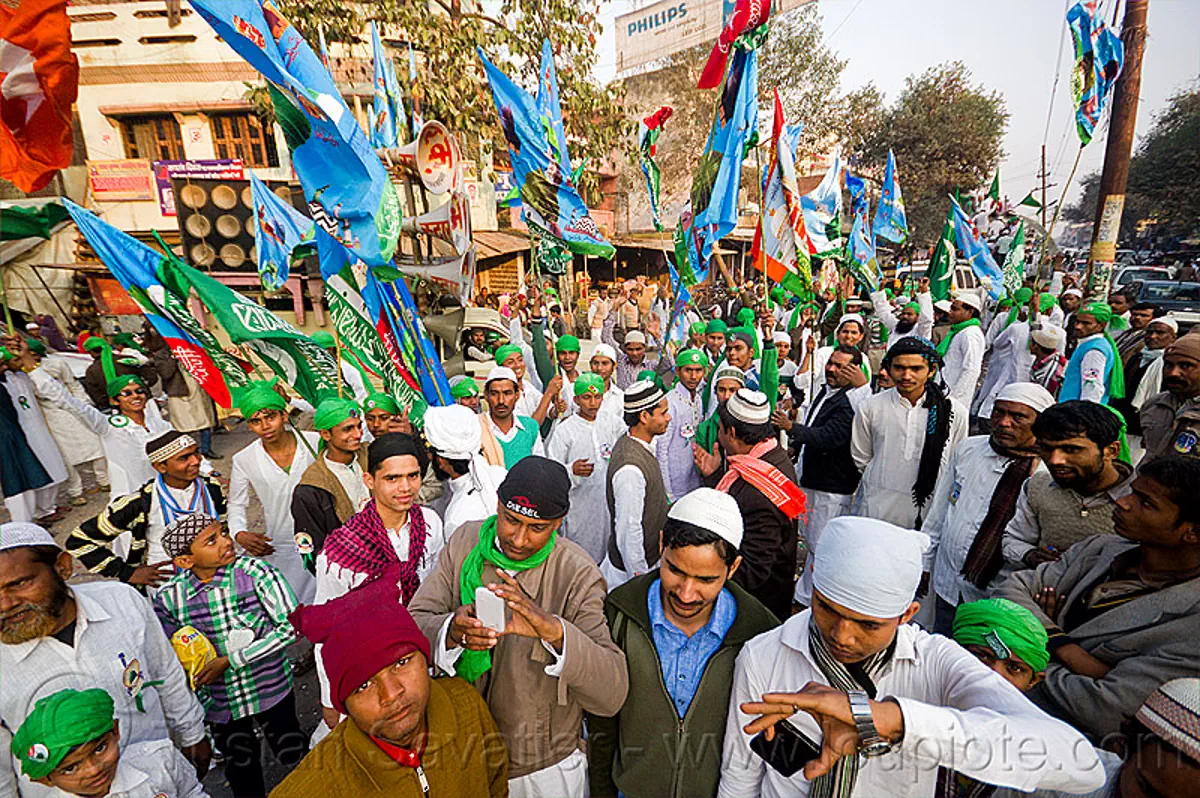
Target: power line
[[1057, 73], [833, 33]]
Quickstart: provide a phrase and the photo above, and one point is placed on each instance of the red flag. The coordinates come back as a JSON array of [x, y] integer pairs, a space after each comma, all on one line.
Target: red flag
[[39, 80], [747, 15]]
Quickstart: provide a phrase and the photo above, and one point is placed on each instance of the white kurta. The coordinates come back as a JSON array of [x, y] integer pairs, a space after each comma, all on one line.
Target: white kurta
[[958, 713], [75, 440], [587, 521], [24, 396], [116, 635], [964, 361], [629, 500], [887, 316], [613, 404], [528, 401], [886, 443], [1010, 362], [124, 441], [254, 469]]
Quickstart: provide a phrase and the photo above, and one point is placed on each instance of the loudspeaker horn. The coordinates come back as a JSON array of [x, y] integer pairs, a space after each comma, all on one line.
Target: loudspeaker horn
[[456, 274], [433, 156], [450, 222]]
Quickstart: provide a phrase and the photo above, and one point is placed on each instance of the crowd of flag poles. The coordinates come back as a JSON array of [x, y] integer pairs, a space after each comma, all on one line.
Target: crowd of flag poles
[[355, 223]]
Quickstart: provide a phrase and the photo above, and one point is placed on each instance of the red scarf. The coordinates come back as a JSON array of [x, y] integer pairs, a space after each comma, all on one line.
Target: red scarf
[[362, 545], [770, 481]]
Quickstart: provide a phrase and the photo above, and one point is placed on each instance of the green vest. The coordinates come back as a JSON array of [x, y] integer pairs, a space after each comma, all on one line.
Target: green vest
[[521, 445]]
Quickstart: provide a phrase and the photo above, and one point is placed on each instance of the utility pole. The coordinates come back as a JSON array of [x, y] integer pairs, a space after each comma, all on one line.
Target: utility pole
[[1107, 227]]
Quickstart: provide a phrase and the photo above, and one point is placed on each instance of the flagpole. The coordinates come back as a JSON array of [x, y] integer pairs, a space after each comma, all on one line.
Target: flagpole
[[337, 343], [4, 301]]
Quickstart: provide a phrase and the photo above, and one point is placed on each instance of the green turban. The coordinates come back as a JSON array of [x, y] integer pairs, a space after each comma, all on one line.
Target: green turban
[[36, 346], [260, 395], [503, 353], [118, 383], [913, 306], [1102, 312], [6, 356], [323, 339], [745, 316], [58, 723], [589, 383], [334, 411], [1020, 298], [691, 357], [716, 326], [381, 401], [125, 339], [697, 328], [778, 295], [464, 388], [1046, 301], [1007, 628], [567, 343]]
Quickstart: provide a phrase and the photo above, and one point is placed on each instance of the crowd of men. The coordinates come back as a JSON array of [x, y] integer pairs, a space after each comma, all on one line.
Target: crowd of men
[[869, 545]]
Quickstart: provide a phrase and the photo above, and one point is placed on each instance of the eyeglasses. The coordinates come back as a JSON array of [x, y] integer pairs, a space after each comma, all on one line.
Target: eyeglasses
[[127, 394]]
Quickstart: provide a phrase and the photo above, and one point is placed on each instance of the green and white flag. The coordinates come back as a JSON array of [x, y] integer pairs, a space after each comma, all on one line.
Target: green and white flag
[[1014, 262], [1030, 202], [941, 266]]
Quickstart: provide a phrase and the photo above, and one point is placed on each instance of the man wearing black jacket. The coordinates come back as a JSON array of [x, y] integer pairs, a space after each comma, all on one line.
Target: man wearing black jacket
[[828, 474]]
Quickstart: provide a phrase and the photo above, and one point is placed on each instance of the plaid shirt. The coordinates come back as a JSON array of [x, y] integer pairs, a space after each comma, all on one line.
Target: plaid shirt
[[248, 594]]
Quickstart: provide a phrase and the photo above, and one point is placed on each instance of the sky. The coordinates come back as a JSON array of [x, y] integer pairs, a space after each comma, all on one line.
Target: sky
[[1012, 46]]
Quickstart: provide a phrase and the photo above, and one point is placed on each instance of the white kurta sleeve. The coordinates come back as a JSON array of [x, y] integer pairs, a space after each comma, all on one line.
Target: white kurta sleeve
[[1091, 373], [971, 349], [629, 492], [939, 506], [862, 448], [185, 716], [53, 392], [883, 310], [925, 319], [239, 496], [741, 768]]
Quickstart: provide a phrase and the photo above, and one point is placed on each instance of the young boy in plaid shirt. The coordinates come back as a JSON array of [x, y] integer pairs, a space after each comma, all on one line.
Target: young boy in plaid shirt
[[241, 604]]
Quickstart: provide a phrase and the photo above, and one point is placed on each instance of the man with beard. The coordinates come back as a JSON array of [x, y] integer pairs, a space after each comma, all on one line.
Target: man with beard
[[332, 488], [508, 436], [1122, 611], [681, 628], [100, 634], [1082, 445], [1143, 376], [1171, 420], [819, 670], [915, 318], [976, 496]]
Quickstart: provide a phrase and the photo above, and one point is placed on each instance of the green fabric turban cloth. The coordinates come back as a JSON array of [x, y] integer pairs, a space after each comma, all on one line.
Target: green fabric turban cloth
[[697, 328], [126, 340], [464, 388], [381, 401], [36, 346], [589, 383], [503, 353], [567, 343], [260, 395], [119, 382], [745, 316], [333, 411], [1101, 311], [58, 723], [1008, 629], [1046, 301], [691, 357], [1020, 298], [716, 326], [323, 339], [913, 306]]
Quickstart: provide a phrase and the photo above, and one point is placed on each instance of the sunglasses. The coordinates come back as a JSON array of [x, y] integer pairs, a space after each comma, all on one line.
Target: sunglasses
[[132, 392]]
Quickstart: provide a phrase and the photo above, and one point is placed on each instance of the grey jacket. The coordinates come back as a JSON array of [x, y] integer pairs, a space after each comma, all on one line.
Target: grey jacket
[[1146, 641]]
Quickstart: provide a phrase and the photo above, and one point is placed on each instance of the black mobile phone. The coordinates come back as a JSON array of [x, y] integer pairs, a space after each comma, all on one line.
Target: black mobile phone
[[789, 751]]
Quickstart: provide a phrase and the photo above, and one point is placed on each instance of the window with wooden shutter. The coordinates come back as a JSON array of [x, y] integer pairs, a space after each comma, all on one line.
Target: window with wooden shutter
[[155, 138], [242, 135]]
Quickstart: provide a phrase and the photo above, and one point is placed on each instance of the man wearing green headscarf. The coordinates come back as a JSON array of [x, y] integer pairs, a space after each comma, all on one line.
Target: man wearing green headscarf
[[1094, 371], [566, 351], [685, 403], [1006, 637], [555, 658], [273, 466], [70, 742], [332, 488], [714, 340], [379, 410], [96, 378], [465, 391], [696, 335]]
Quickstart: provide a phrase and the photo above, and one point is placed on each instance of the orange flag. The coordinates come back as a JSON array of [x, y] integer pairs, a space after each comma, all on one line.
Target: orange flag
[[39, 80]]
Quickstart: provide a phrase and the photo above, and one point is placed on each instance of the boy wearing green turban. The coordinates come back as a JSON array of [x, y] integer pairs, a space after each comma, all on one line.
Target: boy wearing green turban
[[1094, 371], [696, 335], [465, 391], [1006, 637], [71, 743], [380, 411]]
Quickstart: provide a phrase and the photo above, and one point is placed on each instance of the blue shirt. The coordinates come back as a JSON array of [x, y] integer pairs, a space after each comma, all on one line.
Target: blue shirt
[[683, 658]]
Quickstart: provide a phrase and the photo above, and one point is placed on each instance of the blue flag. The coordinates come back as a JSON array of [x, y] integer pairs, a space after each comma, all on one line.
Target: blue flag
[[976, 251], [1099, 55], [549, 198], [344, 182], [863, 263], [822, 208], [713, 211], [418, 350], [278, 230], [550, 110], [858, 193], [890, 220], [387, 115]]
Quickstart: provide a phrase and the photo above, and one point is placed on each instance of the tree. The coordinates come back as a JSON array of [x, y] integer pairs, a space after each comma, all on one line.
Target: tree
[[451, 86], [1164, 175], [946, 134]]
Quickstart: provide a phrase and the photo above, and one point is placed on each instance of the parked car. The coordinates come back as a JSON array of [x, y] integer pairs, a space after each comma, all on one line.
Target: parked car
[[1182, 300], [1125, 275]]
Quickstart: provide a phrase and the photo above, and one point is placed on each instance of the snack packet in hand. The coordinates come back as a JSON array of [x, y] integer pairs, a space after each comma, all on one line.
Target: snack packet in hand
[[194, 651]]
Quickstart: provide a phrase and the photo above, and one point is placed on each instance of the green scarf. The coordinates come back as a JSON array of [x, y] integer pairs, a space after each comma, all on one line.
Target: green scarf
[[473, 664], [955, 329]]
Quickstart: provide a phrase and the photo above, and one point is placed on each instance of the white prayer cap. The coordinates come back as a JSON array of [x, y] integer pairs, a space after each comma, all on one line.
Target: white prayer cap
[[749, 406], [1050, 336], [869, 566], [712, 510], [943, 305], [635, 337], [781, 337], [32, 327], [903, 300], [1167, 321], [1029, 394], [502, 373], [1072, 292], [453, 431], [851, 317], [970, 298], [19, 534], [604, 350]]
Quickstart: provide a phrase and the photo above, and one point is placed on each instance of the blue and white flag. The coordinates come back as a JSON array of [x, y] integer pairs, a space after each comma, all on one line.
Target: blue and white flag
[[890, 220], [278, 230], [858, 193], [550, 110], [1099, 56], [976, 251], [823, 211], [344, 182], [863, 263], [387, 114]]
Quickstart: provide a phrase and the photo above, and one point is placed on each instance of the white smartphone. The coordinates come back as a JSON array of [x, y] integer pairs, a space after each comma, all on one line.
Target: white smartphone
[[490, 609]]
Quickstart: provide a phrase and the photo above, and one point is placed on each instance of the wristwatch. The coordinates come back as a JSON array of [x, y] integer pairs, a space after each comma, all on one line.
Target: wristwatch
[[870, 743]]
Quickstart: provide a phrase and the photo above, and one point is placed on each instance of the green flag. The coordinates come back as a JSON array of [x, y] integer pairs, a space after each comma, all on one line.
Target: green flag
[[1030, 202], [941, 266], [31, 221], [1014, 262], [994, 191]]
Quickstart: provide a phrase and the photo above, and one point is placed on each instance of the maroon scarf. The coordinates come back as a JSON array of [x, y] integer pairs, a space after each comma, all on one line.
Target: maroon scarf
[[361, 545]]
